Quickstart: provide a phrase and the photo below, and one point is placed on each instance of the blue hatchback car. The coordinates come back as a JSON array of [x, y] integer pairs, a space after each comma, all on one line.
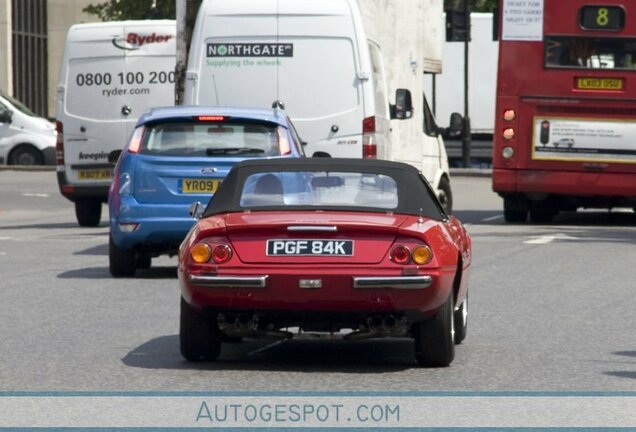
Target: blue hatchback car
[[176, 156]]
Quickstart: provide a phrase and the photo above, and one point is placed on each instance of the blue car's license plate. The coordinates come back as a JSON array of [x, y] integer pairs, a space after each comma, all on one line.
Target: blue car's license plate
[[308, 247]]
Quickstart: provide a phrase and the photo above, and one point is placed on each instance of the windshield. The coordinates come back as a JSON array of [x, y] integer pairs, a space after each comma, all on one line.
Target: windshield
[[590, 52], [18, 105], [337, 189], [216, 139]]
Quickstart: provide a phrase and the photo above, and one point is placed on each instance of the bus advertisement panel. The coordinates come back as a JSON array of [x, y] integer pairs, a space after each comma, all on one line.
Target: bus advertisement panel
[[565, 121]]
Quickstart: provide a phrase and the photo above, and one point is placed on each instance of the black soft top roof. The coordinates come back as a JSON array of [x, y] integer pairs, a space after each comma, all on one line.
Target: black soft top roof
[[415, 195]]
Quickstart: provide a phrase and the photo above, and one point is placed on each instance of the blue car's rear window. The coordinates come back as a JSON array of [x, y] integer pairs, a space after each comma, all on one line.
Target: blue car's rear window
[[217, 139]]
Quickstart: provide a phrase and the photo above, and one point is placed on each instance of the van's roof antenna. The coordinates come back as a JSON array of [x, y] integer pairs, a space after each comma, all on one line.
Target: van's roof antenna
[[278, 105]]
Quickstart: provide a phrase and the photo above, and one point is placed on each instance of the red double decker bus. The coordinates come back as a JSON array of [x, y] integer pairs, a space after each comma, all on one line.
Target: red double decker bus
[[565, 128]]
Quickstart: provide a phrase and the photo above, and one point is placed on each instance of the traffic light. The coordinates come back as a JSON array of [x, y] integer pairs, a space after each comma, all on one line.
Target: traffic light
[[457, 26]]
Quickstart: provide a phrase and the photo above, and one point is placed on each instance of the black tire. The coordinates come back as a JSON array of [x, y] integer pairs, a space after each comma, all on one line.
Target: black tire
[[121, 262], [88, 211], [445, 195], [461, 321], [541, 216], [435, 338], [542, 211], [26, 155], [514, 210], [144, 261], [199, 338]]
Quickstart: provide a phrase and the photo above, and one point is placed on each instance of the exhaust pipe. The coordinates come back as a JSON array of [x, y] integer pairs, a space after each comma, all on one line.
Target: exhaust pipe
[[246, 325], [380, 326]]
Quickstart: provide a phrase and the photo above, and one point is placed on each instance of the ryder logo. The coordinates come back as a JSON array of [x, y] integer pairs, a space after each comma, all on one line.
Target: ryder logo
[[134, 41]]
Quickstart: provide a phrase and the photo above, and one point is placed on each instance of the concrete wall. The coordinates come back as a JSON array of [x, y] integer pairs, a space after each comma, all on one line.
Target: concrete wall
[[5, 45], [62, 14]]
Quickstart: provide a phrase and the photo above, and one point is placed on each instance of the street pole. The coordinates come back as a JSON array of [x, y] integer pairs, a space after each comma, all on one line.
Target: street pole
[[466, 136], [186, 16]]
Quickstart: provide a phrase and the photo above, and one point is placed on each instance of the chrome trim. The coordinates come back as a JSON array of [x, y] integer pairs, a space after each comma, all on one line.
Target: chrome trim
[[315, 228], [397, 282], [229, 281]]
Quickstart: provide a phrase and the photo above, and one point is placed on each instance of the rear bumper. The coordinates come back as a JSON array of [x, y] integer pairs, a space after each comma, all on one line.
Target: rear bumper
[[75, 192], [349, 291], [567, 183], [160, 228]]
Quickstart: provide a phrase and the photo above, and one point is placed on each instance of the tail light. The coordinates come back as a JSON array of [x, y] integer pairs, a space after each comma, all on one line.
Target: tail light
[[59, 144], [283, 142], [221, 253], [509, 115], [508, 134], [135, 141], [202, 253], [420, 255], [369, 145], [401, 255]]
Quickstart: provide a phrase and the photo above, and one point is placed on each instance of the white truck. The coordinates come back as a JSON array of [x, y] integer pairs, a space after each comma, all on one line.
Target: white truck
[[348, 72], [449, 85], [111, 73]]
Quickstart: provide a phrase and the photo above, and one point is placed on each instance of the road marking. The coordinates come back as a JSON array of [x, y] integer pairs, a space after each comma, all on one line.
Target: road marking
[[37, 195], [549, 238], [492, 218], [6, 238], [3, 253]]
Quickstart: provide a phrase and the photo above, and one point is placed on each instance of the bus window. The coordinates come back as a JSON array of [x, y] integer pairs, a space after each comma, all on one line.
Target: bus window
[[590, 52]]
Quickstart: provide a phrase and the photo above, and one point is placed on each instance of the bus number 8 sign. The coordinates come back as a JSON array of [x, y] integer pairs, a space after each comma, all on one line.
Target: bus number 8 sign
[[602, 18]]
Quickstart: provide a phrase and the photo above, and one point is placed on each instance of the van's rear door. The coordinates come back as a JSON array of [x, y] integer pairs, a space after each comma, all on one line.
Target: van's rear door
[[115, 72], [303, 53], [149, 77]]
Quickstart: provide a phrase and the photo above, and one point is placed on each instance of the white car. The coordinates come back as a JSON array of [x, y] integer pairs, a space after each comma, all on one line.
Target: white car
[[25, 138]]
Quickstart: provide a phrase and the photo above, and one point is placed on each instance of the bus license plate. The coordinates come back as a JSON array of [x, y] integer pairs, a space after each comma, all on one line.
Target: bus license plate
[[309, 247], [95, 174], [599, 83], [199, 186]]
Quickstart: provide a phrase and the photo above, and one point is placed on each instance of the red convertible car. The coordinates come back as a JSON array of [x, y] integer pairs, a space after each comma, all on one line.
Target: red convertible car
[[324, 245]]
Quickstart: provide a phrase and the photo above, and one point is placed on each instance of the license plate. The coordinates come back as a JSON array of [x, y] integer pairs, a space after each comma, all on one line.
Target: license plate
[[310, 247], [198, 186], [96, 174], [599, 83]]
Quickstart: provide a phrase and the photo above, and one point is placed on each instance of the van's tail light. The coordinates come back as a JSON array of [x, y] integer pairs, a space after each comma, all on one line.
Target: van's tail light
[[59, 143], [369, 145], [135, 141]]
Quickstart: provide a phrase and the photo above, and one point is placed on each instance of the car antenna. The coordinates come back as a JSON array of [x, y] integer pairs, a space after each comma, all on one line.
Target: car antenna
[[420, 220]]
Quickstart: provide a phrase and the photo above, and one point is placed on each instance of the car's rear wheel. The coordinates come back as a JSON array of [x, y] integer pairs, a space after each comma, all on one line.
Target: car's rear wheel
[[435, 338], [121, 262], [26, 155], [200, 338], [461, 321], [88, 211]]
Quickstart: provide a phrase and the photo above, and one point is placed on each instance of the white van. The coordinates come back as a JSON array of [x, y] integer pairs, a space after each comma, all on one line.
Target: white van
[[335, 65], [25, 137], [111, 73]]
